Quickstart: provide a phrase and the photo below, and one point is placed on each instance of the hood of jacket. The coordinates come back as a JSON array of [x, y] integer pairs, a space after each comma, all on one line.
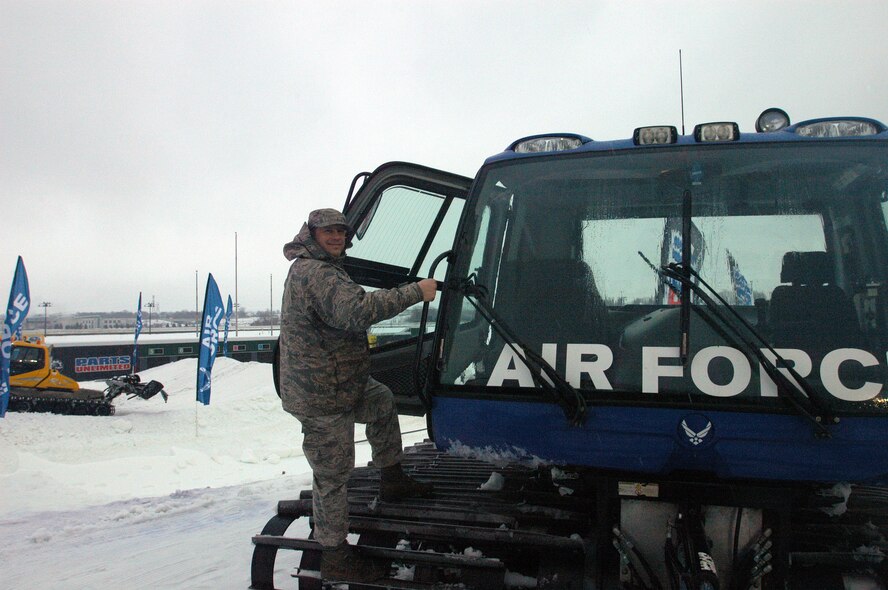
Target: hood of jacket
[[304, 245]]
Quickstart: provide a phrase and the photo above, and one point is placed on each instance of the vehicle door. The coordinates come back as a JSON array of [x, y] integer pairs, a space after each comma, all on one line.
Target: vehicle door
[[405, 218]]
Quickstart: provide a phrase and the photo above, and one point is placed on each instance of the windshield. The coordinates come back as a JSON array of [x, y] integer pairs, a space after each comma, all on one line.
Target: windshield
[[25, 359], [567, 250]]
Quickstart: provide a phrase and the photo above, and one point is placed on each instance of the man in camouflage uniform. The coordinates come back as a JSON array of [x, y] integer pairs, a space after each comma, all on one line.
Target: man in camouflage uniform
[[325, 382]]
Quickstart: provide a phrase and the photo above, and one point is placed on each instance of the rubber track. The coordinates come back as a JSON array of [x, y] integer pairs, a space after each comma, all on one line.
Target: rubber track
[[502, 526], [84, 402]]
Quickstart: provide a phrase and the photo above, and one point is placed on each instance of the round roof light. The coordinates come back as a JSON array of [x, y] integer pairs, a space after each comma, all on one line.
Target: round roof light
[[772, 120]]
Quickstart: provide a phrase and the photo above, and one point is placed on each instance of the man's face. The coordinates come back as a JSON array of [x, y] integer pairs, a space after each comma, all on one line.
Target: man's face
[[331, 239]]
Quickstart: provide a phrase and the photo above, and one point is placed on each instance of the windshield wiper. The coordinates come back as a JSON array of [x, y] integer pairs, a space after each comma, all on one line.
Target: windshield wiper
[[685, 294], [571, 401], [684, 274]]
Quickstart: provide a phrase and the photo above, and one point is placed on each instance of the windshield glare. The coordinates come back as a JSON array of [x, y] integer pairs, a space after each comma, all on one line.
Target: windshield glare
[[568, 248]]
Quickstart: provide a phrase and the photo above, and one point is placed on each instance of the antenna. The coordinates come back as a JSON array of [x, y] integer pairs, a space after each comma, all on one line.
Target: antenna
[[682, 92]]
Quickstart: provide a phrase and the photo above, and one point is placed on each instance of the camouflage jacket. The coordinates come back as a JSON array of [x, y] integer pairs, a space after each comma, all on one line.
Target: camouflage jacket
[[325, 358]]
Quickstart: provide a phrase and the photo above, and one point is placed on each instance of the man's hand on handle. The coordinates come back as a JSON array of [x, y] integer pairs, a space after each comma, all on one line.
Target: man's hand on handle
[[429, 289]]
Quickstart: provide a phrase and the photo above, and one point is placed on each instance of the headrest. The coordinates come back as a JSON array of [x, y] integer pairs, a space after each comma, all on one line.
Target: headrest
[[806, 268]]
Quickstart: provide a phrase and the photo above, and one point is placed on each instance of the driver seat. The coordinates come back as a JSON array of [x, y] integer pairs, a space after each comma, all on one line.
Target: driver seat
[[811, 312]]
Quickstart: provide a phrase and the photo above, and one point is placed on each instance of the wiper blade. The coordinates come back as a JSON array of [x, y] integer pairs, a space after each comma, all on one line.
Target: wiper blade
[[684, 344], [571, 401], [684, 275]]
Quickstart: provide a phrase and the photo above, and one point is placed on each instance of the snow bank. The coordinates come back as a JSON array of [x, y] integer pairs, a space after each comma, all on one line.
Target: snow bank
[[158, 495]]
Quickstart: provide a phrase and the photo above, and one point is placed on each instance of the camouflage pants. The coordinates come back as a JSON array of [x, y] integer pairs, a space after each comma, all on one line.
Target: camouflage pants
[[329, 445]]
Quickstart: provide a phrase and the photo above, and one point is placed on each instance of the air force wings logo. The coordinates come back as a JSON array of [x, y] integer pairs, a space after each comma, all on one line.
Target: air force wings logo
[[696, 430], [696, 437]]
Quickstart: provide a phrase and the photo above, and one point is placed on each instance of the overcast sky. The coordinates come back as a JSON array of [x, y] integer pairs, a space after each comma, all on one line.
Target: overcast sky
[[136, 137]]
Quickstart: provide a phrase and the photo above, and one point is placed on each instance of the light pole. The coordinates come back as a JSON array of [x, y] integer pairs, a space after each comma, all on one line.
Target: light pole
[[44, 305], [150, 307], [235, 287], [196, 307]]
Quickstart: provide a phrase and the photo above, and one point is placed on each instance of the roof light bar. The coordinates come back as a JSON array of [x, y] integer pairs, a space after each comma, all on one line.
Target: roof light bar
[[838, 128], [547, 143], [772, 120], [655, 135], [721, 131]]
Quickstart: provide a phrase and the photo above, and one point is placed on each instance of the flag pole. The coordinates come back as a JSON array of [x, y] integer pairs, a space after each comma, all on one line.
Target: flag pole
[[196, 308]]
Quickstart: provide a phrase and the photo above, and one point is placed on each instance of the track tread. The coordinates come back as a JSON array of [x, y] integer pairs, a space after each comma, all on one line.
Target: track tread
[[445, 531], [83, 402]]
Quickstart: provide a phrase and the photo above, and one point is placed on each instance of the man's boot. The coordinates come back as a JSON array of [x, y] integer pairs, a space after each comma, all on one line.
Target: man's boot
[[344, 563], [395, 485]]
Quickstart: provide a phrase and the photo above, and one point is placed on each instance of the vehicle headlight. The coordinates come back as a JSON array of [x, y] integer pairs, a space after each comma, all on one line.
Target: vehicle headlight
[[721, 131], [546, 143], [837, 128], [654, 135]]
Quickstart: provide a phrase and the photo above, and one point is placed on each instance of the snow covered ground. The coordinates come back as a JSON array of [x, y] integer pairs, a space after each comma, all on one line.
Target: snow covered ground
[[158, 495]]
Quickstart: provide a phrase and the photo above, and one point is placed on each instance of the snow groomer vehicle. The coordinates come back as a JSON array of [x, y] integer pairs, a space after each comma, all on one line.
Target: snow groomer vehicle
[[38, 385], [657, 362]]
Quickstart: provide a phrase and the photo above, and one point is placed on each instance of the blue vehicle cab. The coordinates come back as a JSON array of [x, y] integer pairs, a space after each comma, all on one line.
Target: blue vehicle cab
[[571, 331]]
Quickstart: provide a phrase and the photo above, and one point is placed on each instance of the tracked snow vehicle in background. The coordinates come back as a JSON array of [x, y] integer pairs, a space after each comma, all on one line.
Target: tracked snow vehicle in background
[[37, 385], [658, 362]]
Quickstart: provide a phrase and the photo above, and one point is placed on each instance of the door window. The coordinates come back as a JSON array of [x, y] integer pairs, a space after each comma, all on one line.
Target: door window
[[398, 239], [397, 227]]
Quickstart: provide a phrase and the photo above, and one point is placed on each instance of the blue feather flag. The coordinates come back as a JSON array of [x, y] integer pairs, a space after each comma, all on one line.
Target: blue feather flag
[[671, 251], [135, 364], [227, 324], [16, 311], [209, 338], [742, 289]]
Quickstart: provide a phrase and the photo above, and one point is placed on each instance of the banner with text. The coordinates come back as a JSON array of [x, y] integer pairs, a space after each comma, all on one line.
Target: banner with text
[[669, 290], [209, 339], [741, 287], [16, 311]]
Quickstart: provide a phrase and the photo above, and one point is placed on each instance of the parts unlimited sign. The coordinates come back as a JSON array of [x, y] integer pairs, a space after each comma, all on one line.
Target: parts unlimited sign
[[100, 364]]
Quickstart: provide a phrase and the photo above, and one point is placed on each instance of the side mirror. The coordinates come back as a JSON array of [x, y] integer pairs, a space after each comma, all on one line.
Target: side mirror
[[56, 365]]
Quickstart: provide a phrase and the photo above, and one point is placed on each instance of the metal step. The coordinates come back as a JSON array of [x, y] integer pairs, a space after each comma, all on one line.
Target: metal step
[[437, 530], [433, 569]]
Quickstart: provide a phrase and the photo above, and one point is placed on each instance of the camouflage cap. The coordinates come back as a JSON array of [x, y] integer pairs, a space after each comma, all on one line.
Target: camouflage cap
[[326, 218]]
